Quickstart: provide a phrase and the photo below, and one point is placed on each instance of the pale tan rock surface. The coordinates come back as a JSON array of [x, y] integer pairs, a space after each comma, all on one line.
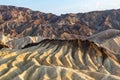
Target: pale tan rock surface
[[25, 55], [18, 43], [59, 60]]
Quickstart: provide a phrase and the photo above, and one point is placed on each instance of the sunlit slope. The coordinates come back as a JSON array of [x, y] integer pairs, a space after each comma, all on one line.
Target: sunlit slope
[[59, 60]]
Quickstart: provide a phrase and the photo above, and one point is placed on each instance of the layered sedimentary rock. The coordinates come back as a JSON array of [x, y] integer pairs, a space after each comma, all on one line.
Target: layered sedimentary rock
[[109, 39], [44, 46], [19, 22], [18, 43], [59, 60]]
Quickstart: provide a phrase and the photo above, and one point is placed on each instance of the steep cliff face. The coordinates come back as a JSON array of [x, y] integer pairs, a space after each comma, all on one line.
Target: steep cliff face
[[19, 22], [59, 59]]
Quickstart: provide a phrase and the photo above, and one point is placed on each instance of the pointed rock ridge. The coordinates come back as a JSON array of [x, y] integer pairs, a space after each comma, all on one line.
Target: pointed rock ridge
[[3, 46], [66, 59], [3, 40]]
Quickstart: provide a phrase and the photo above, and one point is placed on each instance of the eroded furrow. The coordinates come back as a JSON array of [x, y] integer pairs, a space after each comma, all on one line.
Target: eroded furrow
[[58, 60]]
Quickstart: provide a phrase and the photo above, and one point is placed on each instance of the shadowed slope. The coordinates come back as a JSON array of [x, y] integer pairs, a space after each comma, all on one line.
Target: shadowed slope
[[3, 46], [109, 39], [65, 59], [105, 35]]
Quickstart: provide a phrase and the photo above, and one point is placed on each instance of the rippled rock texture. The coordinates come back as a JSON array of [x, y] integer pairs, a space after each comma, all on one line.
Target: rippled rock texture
[[109, 39], [43, 46], [59, 60]]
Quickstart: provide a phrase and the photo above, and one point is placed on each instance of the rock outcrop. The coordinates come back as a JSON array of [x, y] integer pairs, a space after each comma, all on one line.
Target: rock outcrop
[[59, 59], [18, 43], [109, 39], [43, 46]]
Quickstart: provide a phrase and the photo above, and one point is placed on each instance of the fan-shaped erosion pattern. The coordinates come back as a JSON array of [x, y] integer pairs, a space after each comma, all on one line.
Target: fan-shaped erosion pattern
[[59, 60]]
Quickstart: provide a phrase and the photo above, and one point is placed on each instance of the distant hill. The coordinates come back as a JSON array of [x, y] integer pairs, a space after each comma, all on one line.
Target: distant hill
[[43, 46], [19, 21]]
